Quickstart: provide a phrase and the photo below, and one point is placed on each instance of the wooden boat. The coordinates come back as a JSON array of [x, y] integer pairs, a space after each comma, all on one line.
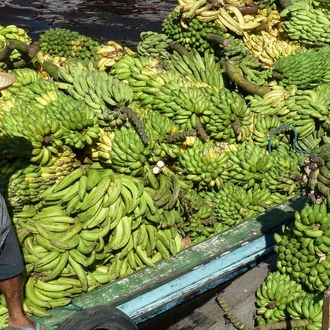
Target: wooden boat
[[152, 291]]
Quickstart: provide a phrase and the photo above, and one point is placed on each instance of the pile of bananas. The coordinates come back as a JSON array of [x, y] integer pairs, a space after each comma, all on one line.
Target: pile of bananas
[[12, 32], [269, 43], [114, 159]]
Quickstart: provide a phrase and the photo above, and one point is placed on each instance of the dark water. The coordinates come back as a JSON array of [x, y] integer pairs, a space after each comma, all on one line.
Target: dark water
[[120, 20]]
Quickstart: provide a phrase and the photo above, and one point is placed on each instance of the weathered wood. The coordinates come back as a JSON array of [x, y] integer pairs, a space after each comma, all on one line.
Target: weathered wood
[[240, 295], [151, 291]]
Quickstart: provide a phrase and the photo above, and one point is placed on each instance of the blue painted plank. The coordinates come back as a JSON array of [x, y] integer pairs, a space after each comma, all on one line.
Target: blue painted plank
[[170, 294]]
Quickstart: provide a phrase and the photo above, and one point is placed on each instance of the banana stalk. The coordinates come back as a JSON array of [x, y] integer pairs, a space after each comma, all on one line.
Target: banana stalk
[[234, 76]]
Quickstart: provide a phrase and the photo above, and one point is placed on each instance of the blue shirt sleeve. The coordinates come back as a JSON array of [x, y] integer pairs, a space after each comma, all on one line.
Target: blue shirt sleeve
[[5, 221]]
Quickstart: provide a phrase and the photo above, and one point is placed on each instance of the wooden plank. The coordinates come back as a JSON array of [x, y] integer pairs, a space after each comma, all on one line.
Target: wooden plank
[[240, 295], [150, 291]]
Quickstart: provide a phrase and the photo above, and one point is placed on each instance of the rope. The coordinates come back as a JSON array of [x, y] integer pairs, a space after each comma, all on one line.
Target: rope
[[281, 129]]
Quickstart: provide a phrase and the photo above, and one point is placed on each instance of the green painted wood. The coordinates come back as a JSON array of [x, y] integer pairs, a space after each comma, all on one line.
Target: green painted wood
[[144, 280]]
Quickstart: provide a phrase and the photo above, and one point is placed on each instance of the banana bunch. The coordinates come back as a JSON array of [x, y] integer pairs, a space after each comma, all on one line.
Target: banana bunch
[[323, 179], [292, 107], [203, 163], [13, 34], [315, 173], [57, 117], [307, 307], [218, 125], [149, 244], [111, 52], [40, 295], [303, 249], [23, 77], [13, 184], [231, 19], [165, 190], [161, 132], [79, 122], [248, 165], [152, 87], [231, 120], [268, 48], [66, 71], [123, 68], [266, 4], [200, 68], [121, 93], [143, 75], [263, 198], [311, 142], [233, 204], [273, 103], [311, 64], [193, 34], [263, 126], [37, 131], [22, 182], [129, 65], [320, 116], [100, 91], [189, 106], [99, 151], [168, 243], [59, 42], [274, 295], [39, 92], [249, 67], [234, 48], [128, 154], [154, 44], [198, 221], [284, 175], [199, 9], [310, 26], [236, 118]]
